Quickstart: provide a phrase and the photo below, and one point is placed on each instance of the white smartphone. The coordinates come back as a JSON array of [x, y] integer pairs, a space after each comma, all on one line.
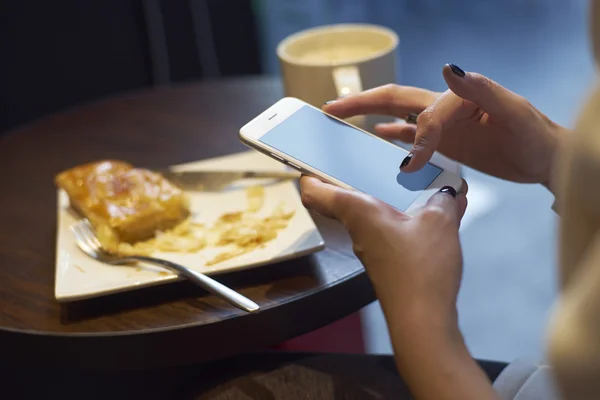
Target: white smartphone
[[318, 144]]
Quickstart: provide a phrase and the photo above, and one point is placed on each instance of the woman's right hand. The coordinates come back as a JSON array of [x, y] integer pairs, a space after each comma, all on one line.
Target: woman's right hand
[[476, 122]]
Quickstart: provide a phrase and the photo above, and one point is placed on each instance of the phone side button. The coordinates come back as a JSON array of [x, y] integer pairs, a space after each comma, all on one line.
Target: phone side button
[[277, 157], [294, 166]]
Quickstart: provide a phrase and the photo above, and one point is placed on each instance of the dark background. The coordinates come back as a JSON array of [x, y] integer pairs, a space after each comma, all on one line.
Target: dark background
[[56, 54]]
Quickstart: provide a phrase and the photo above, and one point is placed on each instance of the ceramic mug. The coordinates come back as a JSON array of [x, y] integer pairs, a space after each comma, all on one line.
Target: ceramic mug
[[327, 62]]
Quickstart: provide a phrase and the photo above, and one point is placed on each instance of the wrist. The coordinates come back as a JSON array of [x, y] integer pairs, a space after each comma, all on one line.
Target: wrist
[[430, 351], [438, 365], [424, 322], [557, 134]]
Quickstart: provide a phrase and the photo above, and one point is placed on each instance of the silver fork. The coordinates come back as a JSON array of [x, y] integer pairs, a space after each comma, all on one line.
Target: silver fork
[[88, 242]]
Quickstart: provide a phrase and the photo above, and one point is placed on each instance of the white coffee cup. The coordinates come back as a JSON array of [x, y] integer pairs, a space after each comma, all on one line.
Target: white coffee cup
[[327, 62]]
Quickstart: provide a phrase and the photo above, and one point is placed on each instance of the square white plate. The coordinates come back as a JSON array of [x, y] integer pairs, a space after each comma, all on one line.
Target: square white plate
[[78, 276]]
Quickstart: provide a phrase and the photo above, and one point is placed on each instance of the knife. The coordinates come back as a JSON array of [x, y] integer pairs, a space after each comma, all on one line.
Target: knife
[[213, 181]]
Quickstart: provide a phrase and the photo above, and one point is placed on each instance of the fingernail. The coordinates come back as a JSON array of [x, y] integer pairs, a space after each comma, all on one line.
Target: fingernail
[[411, 118], [457, 70], [329, 102], [406, 160], [448, 190]]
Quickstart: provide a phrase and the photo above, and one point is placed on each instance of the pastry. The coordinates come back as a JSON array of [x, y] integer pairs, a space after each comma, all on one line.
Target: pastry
[[123, 203]]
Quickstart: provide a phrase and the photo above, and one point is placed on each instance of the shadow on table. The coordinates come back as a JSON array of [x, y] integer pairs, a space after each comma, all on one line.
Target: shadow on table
[[299, 274]]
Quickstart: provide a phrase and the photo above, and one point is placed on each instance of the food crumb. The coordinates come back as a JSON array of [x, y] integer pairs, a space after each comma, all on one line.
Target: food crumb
[[255, 196], [236, 232], [231, 217]]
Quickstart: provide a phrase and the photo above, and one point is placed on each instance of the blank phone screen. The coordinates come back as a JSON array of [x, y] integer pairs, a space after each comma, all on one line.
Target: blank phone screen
[[349, 155]]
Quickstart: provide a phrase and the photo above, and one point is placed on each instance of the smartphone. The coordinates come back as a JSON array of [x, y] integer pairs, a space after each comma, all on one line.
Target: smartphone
[[318, 144]]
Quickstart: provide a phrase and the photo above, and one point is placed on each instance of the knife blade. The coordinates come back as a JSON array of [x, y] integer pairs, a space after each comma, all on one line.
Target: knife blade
[[218, 180]]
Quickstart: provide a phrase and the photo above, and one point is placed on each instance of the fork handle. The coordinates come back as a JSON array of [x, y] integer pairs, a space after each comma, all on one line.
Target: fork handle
[[216, 288], [272, 174]]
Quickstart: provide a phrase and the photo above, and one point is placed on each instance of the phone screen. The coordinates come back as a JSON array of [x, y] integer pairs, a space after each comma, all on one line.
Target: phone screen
[[349, 155]]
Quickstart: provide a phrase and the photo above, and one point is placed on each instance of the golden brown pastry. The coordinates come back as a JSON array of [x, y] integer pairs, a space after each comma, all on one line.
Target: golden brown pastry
[[123, 203]]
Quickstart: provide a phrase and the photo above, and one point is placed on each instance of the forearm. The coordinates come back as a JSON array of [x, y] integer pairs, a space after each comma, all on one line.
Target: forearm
[[434, 361]]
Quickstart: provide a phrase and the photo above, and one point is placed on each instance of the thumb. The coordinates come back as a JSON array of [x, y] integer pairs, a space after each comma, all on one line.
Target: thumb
[[335, 202], [446, 203], [488, 95]]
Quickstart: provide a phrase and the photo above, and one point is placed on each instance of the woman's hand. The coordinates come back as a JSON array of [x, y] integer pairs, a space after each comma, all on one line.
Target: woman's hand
[[414, 262], [476, 122], [415, 265]]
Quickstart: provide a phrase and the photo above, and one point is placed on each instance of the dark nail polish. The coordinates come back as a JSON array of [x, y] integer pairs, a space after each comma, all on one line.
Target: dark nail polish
[[457, 71], [329, 102], [411, 118], [406, 160], [448, 190]]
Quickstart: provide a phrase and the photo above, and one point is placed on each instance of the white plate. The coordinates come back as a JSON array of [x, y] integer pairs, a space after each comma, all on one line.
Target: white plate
[[78, 276]]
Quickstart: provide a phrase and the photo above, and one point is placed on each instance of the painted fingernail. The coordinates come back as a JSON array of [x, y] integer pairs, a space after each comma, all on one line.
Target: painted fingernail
[[411, 118], [406, 160], [457, 70], [448, 190]]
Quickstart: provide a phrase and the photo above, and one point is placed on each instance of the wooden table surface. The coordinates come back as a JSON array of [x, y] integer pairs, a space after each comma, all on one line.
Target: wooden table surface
[[175, 323]]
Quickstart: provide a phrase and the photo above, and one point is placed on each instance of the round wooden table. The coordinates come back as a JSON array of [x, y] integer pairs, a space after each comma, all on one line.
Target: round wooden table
[[175, 323]]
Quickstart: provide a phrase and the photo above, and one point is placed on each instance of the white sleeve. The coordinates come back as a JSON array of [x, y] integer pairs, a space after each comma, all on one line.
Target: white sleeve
[[526, 380]]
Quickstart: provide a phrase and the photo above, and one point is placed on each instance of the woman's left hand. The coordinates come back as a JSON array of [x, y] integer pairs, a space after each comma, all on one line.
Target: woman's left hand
[[415, 265], [414, 262]]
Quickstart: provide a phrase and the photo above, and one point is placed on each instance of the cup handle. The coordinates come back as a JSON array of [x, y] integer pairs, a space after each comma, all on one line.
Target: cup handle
[[347, 81]]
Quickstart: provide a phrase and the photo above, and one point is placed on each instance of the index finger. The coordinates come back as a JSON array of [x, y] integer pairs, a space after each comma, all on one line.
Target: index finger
[[391, 99], [441, 114]]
